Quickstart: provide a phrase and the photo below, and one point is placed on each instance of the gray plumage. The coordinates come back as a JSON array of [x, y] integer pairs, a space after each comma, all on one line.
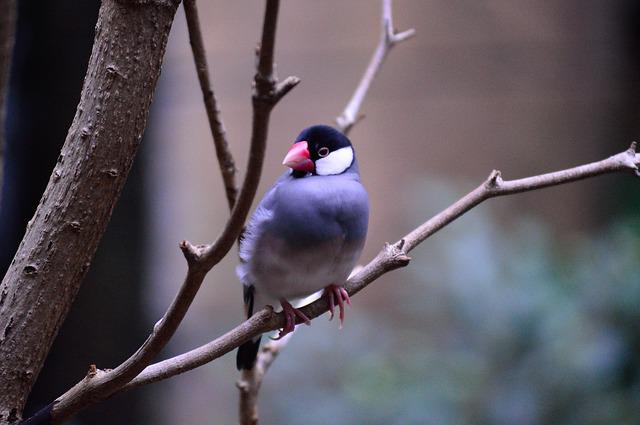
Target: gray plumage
[[307, 233]]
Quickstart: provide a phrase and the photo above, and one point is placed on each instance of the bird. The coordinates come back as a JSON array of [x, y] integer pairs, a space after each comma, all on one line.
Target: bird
[[306, 234]]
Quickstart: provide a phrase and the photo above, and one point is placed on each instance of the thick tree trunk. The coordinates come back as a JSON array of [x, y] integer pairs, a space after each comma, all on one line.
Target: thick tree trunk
[[60, 240]]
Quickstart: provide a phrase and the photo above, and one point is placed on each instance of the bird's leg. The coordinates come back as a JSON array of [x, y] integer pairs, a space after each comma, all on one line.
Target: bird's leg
[[290, 314], [337, 293]]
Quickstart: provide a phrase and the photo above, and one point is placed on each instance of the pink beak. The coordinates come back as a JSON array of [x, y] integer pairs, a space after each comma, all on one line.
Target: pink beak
[[298, 157]]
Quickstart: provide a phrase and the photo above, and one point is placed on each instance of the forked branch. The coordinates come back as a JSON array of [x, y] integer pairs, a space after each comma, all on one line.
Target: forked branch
[[391, 257], [250, 381], [100, 384], [388, 39]]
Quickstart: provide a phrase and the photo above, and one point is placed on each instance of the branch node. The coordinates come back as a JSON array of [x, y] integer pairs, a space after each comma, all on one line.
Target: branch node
[[242, 385], [93, 371], [635, 157], [389, 33], [191, 253], [112, 70], [402, 36], [629, 158], [494, 180], [388, 38], [395, 253], [264, 85], [271, 315], [111, 172], [387, 30], [284, 87], [157, 325]]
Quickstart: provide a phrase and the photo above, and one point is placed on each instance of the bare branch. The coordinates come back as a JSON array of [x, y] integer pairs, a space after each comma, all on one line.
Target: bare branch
[[494, 186], [200, 259], [285, 86], [391, 257], [388, 38], [265, 52], [7, 30], [251, 380], [225, 159], [249, 384]]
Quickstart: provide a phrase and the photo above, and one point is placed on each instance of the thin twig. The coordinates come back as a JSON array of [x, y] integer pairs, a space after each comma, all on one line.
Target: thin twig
[[267, 92], [391, 257], [265, 51], [225, 159], [388, 39]]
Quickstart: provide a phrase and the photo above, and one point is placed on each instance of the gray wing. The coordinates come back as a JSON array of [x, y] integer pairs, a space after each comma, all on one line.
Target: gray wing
[[257, 222]]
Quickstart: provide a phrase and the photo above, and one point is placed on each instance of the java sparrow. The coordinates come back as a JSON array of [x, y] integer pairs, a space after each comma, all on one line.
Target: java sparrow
[[306, 233]]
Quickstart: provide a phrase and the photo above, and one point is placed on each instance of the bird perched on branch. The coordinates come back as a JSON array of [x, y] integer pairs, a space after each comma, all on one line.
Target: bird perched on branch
[[306, 233]]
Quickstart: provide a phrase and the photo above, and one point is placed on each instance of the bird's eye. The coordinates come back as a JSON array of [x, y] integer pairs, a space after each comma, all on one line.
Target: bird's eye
[[323, 151]]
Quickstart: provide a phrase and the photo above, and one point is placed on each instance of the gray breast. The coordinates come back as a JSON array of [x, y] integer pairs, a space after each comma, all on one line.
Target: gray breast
[[312, 238]]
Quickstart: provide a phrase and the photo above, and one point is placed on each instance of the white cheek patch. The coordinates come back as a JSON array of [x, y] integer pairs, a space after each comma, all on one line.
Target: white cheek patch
[[335, 163]]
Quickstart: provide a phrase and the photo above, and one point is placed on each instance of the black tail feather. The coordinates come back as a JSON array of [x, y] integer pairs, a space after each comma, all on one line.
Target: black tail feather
[[247, 354]]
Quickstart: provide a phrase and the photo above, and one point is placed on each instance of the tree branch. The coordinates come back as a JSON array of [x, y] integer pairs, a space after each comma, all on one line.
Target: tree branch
[[225, 159], [494, 186], [7, 35], [60, 240], [251, 380], [249, 383], [388, 39], [391, 257], [99, 384]]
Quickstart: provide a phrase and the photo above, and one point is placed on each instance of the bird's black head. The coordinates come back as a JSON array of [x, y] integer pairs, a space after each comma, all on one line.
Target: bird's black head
[[320, 150]]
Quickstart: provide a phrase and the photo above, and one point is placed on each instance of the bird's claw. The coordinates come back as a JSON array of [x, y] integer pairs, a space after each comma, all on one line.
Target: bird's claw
[[337, 293], [290, 314]]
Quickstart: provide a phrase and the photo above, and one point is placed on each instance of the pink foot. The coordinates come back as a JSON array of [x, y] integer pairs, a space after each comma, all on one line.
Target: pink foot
[[290, 314], [335, 293]]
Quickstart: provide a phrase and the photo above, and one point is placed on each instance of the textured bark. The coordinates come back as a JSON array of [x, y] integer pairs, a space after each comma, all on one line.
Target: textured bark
[[7, 31], [100, 384], [61, 238]]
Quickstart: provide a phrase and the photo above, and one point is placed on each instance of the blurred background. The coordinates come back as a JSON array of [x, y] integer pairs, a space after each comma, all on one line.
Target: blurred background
[[526, 310]]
